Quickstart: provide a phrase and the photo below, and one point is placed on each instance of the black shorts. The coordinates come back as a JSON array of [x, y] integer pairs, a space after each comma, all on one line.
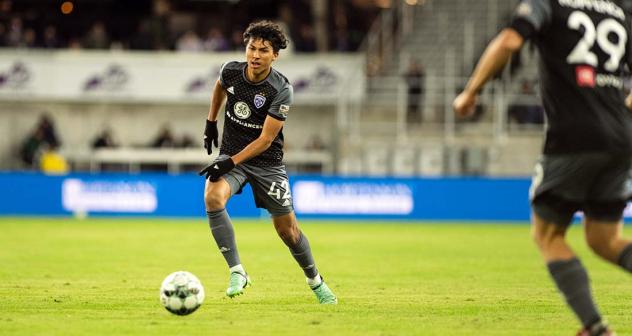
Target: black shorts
[[596, 183]]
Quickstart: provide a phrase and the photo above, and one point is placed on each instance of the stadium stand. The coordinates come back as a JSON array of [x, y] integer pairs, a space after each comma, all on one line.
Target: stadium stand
[[369, 110]]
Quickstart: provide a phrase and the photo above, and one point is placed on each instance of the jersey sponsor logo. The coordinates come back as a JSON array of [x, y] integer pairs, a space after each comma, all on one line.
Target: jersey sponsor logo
[[231, 90], [599, 6], [585, 76], [284, 109], [609, 80], [259, 100], [242, 111], [243, 123]]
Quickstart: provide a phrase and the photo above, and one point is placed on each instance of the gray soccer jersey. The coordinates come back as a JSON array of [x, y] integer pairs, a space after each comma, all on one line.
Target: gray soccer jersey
[[247, 107]]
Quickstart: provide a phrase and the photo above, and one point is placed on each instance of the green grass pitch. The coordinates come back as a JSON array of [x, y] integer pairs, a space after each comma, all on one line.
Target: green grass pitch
[[101, 277]]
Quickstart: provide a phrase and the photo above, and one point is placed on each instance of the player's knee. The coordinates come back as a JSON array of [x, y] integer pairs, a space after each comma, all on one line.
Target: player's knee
[[545, 237], [214, 200]]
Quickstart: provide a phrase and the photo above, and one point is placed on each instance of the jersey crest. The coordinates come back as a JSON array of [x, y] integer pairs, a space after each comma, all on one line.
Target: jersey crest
[[259, 100]]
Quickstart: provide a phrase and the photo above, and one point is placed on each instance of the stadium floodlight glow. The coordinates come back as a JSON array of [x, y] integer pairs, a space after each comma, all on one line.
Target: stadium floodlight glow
[[67, 7]]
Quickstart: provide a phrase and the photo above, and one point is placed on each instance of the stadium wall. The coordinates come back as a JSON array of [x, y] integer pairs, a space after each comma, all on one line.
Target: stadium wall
[[163, 195]]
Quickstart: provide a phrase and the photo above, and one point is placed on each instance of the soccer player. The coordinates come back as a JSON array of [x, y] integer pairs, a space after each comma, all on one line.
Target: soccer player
[[583, 47], [259, 99]]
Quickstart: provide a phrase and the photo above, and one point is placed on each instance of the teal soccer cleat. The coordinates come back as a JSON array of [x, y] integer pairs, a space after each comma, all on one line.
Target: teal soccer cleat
[[324, 294], [237, 284]]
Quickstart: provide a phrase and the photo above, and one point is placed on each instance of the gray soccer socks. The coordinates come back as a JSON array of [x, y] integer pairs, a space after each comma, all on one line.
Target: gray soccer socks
[[224, 235], [303, 255], [625, 258], [572, 280]]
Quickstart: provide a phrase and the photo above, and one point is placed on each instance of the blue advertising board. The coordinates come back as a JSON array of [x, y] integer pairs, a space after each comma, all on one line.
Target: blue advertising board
[[313, 196]]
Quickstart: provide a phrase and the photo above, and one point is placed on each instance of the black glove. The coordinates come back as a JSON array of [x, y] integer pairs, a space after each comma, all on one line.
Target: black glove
[[218, 168], [210, 136]]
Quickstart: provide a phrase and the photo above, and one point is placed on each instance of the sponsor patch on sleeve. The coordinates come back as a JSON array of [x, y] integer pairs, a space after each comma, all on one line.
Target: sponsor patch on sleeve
[[284, 109], [524, 9]]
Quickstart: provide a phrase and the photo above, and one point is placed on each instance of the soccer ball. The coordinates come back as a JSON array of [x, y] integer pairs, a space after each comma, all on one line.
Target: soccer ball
[[181, 293]]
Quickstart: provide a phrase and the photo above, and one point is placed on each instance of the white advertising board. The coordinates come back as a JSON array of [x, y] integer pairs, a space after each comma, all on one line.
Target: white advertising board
[[163, 77]]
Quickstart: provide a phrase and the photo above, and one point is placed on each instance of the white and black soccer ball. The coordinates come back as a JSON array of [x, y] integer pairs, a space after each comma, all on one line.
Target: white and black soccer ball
[[181, 293]]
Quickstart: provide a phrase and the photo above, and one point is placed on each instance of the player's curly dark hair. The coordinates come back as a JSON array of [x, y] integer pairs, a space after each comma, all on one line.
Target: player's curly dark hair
[[267, 31]]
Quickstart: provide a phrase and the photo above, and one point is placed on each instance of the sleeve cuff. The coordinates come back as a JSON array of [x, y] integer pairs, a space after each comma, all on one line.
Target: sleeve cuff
[[277, 117], [523, 27]]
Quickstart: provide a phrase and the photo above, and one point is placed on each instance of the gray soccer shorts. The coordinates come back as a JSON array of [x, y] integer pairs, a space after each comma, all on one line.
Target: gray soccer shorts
[[597, 183], [270, 186]]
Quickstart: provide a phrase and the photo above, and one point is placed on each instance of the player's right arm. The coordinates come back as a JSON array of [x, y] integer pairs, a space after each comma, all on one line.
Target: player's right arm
[[496, 55], [530, 17], [217, 100], [211, 134]]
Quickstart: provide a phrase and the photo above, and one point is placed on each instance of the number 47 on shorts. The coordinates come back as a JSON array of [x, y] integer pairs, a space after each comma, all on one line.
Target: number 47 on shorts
[[283, 187]]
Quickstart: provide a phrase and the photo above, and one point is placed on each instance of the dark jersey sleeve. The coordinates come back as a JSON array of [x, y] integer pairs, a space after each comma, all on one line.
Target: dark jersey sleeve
[[281, 104], [222, 70], [628, 49], [531, 16]]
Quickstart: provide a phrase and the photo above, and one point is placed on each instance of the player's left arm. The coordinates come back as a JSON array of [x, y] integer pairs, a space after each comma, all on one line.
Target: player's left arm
[[271, 128], [496, 55]]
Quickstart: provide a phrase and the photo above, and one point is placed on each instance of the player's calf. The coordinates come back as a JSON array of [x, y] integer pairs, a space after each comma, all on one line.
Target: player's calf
[[625, 258]]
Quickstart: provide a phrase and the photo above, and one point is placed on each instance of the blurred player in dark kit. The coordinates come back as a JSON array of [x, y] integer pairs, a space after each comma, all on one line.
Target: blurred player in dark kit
[[584, 47]]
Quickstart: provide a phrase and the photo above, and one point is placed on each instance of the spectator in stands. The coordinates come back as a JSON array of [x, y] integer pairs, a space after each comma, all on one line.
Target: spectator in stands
[[306, 41], [157, 29], [3, 35], [74, 43], [43, 135], [104, 140], [215, 41], [51, 39], [48, 129], [237, 40], [142, 39], [29, 39], [31, 146], [189, 42], [164, 139], [162, 36], [15, 32], [415, 79], [97, 37], [186, 141], [340, 30]]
